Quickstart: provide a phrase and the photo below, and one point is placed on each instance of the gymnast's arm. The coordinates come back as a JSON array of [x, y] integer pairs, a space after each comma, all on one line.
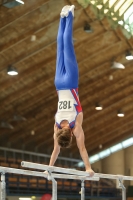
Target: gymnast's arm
[[79, 134], [56, 149]]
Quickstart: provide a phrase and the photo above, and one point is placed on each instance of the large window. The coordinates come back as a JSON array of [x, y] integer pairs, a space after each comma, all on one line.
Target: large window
[[120, 11]]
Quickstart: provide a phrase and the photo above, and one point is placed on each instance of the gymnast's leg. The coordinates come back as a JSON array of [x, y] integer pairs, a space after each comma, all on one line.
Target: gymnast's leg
[[60, 67], [70, 61]]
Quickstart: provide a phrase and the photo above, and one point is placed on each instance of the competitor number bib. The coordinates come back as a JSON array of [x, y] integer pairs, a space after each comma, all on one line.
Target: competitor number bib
[[65, 105]]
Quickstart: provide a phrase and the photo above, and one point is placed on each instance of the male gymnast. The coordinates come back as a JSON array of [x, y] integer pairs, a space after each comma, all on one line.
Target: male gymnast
[[69, 115]]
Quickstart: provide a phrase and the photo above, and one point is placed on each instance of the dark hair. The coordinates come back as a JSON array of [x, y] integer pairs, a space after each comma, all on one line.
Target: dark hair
[[64, 137]]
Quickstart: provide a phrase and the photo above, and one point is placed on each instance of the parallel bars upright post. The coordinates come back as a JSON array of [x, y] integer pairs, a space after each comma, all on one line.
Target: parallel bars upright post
[[54, 186], [82, 190], [2, 187], [123, 189]]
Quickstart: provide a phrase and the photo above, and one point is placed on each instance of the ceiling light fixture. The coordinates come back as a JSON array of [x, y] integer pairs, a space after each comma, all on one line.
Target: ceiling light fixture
[[18, 118], [20, 1], [129, 56], [12, 3], [5, 124], [120, 113], [100, 146], [11, 70], [87, 28], [32, 132], [98, 106], [117, 65], [33, 38], [111, 77]]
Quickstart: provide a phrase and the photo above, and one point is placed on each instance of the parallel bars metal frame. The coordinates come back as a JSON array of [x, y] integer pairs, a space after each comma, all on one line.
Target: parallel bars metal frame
[[65, 174]]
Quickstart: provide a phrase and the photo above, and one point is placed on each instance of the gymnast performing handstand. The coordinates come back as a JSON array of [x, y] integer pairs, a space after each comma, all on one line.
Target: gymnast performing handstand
[[69, 115]]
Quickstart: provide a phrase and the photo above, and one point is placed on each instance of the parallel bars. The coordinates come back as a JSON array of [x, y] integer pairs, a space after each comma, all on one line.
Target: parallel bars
[[65, 174]]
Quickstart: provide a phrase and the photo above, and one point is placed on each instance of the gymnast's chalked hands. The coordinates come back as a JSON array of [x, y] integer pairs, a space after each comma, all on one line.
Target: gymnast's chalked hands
[[45, 172], [48, 177], [91, 172]]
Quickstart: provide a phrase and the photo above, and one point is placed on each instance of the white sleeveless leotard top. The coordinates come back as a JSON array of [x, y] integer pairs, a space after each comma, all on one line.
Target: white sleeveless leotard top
[[68, 107]]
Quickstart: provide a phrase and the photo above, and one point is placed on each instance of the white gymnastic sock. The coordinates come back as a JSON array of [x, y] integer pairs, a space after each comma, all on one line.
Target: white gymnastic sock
[[66, 9]]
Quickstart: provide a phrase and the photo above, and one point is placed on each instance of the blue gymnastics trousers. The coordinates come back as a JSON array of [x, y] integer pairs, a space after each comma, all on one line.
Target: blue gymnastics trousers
[[66, 76]]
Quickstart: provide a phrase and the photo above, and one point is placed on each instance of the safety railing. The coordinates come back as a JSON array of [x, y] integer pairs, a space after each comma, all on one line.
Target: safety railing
[[13, 156]]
